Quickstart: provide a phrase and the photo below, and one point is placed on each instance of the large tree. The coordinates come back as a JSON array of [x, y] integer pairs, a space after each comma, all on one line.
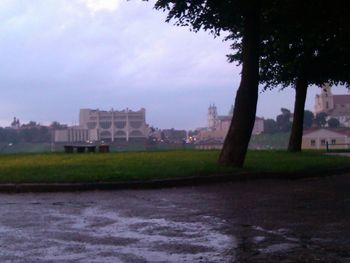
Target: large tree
[[312, 49], [243, 20], [290, 50]]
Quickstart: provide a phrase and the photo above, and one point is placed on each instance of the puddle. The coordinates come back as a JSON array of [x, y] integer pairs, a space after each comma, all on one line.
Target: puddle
[[278, 248], [282, 232], [94, 234], [259, 239]]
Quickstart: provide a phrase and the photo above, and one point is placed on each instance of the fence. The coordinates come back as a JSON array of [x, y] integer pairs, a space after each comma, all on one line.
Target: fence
[[329, 146]]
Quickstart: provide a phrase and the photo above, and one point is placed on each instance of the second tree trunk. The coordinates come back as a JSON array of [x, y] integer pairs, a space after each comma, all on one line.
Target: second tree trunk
[[295, 139]]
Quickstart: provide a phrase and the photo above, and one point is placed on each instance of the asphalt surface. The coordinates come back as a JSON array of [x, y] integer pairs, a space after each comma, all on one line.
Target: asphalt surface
[[305, 220]]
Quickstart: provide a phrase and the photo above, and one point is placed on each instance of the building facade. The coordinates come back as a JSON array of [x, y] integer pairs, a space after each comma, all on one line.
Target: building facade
[[107, 126], [221, 123], [73, 134], [318, 139], [335, 106], [115, 125], [218, 126]]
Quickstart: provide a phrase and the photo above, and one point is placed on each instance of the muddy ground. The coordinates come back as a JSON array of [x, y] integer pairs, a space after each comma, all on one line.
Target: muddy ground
[[255, 221]]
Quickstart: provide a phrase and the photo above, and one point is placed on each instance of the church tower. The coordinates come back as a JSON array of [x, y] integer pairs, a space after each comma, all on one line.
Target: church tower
[[324, 102], [212, 117]]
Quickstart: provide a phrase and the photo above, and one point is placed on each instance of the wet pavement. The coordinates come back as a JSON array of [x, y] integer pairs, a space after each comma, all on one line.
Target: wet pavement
[[255, 221]]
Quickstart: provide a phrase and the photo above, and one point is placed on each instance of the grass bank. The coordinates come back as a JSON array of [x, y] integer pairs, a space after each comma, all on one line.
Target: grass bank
[[66, 168]]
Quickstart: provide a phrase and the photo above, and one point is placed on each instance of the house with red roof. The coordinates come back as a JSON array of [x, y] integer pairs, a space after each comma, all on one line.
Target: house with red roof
[[317, 138]]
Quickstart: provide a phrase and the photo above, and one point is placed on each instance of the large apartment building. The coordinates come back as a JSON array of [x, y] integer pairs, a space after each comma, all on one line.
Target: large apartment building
[[109, 126]]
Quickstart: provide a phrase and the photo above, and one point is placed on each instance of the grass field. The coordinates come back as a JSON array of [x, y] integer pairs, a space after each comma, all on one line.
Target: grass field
[[51, 167]]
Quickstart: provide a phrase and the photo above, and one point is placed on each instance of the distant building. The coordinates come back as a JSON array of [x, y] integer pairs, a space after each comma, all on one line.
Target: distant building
[[218, 125], [174, 136], [15, 124], [209, 144], [115, 125], [258, 126], [335, 106], [318, 138], [212, 117], [108, 126]]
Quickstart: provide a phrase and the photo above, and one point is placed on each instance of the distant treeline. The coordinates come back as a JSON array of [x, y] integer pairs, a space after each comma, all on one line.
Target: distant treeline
[[283, 122], [32, 134]]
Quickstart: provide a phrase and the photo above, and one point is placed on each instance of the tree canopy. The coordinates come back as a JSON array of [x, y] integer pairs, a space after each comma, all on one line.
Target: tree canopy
[[333, 123], [270, 126], [283, 120], [312, 49], [314, 46], [321, 119]]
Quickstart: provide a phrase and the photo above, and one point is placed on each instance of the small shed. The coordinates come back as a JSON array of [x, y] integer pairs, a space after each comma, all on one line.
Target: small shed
[[318, 138]]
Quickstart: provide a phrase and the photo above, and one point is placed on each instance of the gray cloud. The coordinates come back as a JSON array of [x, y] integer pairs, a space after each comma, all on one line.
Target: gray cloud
[[59, 56]]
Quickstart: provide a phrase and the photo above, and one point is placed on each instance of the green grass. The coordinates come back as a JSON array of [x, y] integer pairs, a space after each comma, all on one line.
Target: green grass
[[60, 167], [310, 162]]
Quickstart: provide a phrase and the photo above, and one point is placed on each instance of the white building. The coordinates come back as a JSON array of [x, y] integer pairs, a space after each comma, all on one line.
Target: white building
[[75, 134], [109, 126], [318, 138]]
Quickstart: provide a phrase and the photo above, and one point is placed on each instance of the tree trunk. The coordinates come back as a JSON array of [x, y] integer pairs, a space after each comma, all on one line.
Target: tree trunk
[[238, 137], [296, 135]]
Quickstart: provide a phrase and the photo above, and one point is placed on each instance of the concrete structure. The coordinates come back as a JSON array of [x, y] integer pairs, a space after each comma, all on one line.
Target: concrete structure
[[335, 106], [209, 144], [108, 126], [74, 134], [218, 126], [317, 139], [115, 125]]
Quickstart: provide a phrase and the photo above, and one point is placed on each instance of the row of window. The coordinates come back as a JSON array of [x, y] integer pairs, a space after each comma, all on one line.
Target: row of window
[[119, 124], [121, 117], [323, 142], [107, 134], [337, 105], [342, 105]]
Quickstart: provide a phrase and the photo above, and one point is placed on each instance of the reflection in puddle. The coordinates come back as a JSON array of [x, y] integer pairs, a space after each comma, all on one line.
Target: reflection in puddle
[[259, 239], [278, 248], [100, 235]]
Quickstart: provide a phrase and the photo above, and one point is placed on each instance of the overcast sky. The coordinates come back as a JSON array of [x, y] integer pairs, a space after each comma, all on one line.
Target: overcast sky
[[58, 56]]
